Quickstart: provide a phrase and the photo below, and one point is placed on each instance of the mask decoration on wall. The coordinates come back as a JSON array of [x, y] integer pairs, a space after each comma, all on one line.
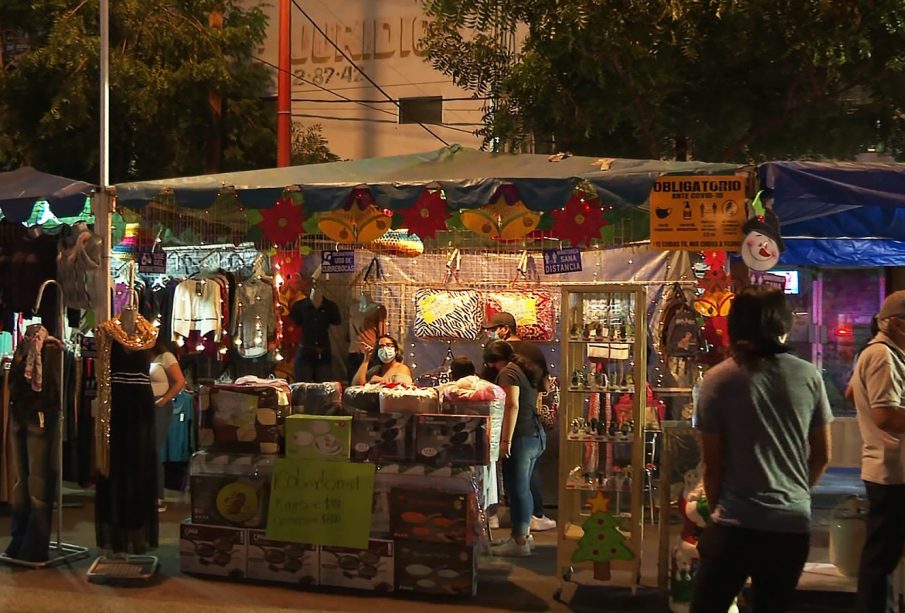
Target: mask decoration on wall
[[763, 242], [359, 222], [506, 219]]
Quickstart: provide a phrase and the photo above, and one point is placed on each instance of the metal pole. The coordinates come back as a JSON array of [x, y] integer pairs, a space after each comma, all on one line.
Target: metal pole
[[100, 203], [104, 155], [284, 87]]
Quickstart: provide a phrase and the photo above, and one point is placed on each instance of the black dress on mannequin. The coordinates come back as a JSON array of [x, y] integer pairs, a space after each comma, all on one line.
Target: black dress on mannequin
[[126, 515]]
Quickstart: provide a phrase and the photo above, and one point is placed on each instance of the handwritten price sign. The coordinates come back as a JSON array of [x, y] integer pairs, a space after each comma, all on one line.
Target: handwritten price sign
[[321, 503]]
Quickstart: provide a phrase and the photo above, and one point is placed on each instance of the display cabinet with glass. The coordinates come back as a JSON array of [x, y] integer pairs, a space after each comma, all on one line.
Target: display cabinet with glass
[[602, 412]]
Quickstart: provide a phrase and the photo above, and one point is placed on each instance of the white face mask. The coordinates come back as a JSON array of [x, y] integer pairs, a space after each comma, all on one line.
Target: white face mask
[[386, 354]]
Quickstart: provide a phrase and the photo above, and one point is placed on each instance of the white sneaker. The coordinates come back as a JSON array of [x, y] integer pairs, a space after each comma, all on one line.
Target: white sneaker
[[510, 549], [541, 524], [493, 522]]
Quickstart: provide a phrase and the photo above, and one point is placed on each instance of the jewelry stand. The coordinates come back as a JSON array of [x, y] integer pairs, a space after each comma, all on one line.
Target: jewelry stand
[[60, 552], [123, 567]]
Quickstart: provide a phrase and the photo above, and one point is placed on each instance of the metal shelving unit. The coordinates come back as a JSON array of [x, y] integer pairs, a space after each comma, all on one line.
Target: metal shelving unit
[[607, 322]]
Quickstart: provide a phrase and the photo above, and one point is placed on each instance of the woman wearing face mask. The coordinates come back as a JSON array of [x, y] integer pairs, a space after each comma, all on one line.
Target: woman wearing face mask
[[385, 365]]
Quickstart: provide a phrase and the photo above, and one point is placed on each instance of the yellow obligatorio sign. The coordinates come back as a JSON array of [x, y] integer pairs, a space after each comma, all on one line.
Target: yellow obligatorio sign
[[697, 213]]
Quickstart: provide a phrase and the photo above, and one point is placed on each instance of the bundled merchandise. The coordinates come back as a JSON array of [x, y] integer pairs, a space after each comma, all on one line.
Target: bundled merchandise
[[474, 396], [427, 495]]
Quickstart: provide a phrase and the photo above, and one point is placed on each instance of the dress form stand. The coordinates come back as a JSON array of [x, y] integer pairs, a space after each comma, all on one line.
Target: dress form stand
[[59, 551], [125, 567]]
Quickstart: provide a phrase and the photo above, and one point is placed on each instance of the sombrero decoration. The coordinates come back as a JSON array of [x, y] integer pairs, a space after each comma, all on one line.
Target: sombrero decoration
[[580, 221], [398, 242], [135, 238], [428, 216], [282, 224], [507, 218], [360, 221], [762, 244]]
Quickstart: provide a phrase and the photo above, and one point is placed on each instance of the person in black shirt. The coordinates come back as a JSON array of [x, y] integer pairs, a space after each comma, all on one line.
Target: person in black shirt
[[503, 326], [522, 440]]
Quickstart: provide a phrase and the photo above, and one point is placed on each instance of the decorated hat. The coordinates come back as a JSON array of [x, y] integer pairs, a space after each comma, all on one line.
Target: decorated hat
[[768, 225]]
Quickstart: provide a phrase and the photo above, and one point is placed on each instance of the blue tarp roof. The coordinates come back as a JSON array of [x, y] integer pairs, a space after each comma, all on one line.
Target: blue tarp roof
[[839, 213]]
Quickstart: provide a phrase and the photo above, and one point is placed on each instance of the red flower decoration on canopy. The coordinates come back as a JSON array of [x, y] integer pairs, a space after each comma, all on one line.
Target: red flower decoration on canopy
[[579, 222], [282, 224], [428, 216]]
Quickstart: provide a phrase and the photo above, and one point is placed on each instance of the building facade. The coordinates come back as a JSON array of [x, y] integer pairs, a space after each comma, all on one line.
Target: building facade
[[377, 114]]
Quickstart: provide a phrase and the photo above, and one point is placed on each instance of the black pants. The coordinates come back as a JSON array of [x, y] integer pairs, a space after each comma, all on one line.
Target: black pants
[[773, 560], [35, 448], [883, 545], [313, 365]]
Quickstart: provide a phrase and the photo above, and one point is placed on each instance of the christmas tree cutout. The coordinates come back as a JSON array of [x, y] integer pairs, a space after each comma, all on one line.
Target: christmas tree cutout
[[602, 540]]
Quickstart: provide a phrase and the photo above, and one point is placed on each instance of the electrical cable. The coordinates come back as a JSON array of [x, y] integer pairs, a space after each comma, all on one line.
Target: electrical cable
[[358, 68], [329, 91], [366, 101], [371, 120]]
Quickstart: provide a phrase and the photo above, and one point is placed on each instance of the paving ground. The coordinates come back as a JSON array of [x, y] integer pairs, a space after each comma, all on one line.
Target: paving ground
[[521, 585]]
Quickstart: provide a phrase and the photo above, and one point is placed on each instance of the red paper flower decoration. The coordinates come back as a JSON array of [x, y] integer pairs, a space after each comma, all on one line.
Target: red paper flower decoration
[[282, 223], [580, 222], [428, 216]]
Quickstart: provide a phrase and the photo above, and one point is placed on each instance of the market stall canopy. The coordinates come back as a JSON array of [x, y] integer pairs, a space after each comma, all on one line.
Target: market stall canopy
[[468, 177], [839, 213], [20, 189]]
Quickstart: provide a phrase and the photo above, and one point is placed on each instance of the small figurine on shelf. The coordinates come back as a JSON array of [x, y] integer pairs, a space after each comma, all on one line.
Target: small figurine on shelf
[[587, 332], [614, 428], [602, 540], [576, 379], [575, 332]]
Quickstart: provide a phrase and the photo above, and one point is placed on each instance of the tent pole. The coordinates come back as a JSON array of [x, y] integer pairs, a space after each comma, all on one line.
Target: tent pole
[[284, 87], [100, 201]]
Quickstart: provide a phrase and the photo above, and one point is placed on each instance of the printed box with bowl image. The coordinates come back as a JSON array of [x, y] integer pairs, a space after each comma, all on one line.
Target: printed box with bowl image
[[280, 561], [363, 569], [212, 550], [438, 569], [318, 437]]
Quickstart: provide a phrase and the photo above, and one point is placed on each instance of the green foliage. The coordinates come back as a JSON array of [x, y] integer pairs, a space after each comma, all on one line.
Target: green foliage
[[734, 80], [165, 60], [309, 146]]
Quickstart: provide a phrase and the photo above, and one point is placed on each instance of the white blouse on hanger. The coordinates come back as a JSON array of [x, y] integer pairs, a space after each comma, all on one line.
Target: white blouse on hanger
[[197, 306]]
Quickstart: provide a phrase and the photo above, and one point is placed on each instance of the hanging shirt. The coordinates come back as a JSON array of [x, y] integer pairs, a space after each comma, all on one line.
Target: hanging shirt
[[254, 316], [197, 306], [315, 322], [367, 321]]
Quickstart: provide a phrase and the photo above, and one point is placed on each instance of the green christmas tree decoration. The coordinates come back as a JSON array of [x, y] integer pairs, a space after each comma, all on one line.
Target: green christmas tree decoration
[[602, 540]]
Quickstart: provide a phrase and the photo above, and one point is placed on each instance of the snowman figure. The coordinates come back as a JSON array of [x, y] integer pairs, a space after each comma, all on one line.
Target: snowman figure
[[763, 242]]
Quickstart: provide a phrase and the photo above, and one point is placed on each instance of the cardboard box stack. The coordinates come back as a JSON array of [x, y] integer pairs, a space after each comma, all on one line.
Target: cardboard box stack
[[427, 489]]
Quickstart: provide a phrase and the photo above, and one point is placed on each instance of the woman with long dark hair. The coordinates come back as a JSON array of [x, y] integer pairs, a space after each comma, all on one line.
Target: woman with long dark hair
[[385, 364], [522, 439], [764, 418]]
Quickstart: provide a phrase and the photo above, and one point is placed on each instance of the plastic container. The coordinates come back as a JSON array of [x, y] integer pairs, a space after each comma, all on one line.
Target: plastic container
[[848, 530]]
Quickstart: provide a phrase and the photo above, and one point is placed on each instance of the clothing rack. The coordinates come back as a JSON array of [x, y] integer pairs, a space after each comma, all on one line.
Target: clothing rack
[[62, 552]]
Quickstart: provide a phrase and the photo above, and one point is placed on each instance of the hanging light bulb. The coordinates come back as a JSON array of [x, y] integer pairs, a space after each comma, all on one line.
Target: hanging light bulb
[[278, 356], [238, 342], [199, 347], [180, 341], [223, 350], [155, 323]]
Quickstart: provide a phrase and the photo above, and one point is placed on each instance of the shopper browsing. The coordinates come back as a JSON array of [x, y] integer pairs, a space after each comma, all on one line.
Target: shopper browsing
[[167, 381], [384, 366], [878, 389], [522, 440], [764, 418], [503, 326]]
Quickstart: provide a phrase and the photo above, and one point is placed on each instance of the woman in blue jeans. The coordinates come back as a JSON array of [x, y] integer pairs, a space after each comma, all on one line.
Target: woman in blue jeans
[[522, 440]]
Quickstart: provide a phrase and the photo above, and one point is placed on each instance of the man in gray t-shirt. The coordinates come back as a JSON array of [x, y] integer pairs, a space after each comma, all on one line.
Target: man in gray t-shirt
[[764, 420]]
